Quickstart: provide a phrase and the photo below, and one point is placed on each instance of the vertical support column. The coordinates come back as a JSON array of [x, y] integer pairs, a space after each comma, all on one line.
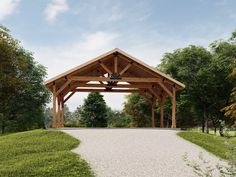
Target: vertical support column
[[116, 64], [162, 112], [62, 112], [153, 113], [173, 109], [54, 116], [59, 112]]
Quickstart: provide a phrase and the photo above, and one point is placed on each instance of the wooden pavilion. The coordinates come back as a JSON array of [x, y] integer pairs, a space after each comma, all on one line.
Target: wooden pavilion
[[114, 71]]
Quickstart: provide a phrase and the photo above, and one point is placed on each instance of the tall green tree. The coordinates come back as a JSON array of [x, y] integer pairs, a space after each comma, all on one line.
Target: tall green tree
[[22, 93], [205, 74], [139, 109], [94, 111], [188, 66], [230, 110]]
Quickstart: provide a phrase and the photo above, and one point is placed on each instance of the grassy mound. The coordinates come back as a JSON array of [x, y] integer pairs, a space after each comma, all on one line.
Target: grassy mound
[[220, 146], [41, 153]]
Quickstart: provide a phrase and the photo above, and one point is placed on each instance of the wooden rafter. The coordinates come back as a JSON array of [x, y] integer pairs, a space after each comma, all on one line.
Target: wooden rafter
[[63, 87], [126, 68], [105, 67], [165, 89], [70, 95]]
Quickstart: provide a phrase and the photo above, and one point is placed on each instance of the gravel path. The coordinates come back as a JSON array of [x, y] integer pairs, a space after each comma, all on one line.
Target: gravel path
[[137, 152]]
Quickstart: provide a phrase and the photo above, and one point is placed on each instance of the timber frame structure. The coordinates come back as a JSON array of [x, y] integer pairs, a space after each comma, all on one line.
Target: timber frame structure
[[114, 71]]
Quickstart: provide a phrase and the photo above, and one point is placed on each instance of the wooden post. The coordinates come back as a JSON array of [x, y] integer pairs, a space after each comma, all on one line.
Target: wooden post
[[59, 112], [115, 64], [153, 113], [162, 112], [54, 122], [173, 109], [62, 112]]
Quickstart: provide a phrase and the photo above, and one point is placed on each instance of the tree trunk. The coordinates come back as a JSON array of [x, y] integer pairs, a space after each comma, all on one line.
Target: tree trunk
[[203, 119], [206, 126], [3, 127], [203, 125], [221, 131]]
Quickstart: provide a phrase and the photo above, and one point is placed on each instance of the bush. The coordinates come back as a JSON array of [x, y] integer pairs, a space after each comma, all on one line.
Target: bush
[[73, 124]]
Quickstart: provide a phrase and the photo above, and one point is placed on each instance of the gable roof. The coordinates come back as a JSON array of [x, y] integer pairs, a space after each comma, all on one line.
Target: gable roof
[[116, 50]]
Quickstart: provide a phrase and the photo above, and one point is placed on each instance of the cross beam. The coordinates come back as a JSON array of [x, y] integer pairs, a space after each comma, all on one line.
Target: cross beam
[[123, 79], [104, 90], [115, 86]]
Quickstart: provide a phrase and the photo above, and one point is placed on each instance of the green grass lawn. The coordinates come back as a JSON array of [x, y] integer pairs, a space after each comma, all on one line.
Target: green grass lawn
[[41, 153], [220, 146]]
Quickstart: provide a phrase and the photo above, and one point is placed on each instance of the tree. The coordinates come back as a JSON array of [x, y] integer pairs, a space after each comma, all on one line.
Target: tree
[[118, 118], [94, 111], [22, 93], [224, 54], [188, 66], [205, 74], [230, 110], [139, 109]]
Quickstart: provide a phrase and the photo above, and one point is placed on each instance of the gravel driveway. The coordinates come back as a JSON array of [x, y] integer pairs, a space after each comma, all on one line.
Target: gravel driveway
[[137, 152]]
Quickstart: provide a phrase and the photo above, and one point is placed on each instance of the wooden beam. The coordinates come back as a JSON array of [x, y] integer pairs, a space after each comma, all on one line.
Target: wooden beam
[[165, 89], [116, 86], [70, 95], [54, 123], [162, 112], [154, 93], [104, 90], [62, 112], [59, 112], [116, 64], [105, 67], [126, 68], [153, 113], [123, 79], [63, 87], [173, 109]]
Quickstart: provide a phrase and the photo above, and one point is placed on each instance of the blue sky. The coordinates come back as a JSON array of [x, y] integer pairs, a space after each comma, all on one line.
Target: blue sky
[[65, 33]]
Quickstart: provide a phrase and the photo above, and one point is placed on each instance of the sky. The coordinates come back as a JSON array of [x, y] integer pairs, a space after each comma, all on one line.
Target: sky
[[63, 34]]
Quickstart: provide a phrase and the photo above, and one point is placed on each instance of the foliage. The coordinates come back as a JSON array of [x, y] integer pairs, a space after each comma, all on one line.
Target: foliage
[[118, 119], [94, 111], [22, 93], [188, 65], [230, 110], [41, 153], [207, 86], [213, 144], [73, 124], [139, 109]]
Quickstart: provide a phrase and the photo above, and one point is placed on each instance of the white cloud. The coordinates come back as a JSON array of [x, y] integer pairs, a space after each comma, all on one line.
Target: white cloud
[[7, 7], [55, 8], [148, 48], [61, 58]]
